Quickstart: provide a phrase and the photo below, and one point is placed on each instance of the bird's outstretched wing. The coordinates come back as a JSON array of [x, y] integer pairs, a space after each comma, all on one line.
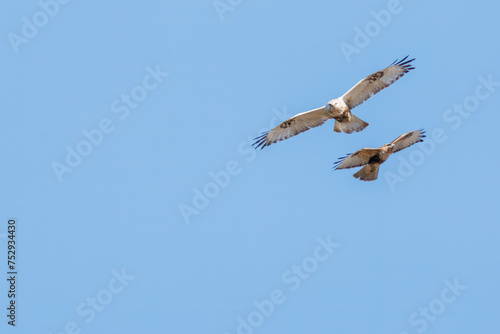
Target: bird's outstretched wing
[[377, 81], [360, 158], [292, 126], [408, 139]]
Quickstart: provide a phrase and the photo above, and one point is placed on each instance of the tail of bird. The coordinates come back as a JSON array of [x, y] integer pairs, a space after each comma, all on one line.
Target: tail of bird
[[367, 173], [353, 125]]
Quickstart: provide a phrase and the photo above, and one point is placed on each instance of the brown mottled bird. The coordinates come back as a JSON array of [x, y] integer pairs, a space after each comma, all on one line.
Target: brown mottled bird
[[372, 158], [339, 108]]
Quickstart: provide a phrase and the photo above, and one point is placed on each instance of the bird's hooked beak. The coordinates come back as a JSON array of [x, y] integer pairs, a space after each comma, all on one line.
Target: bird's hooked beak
[[328, 107]]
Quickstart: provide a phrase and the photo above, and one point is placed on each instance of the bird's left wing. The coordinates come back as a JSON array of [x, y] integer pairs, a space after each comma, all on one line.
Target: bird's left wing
[[360, 158], [293, 126], [377, 81], [408, 139]]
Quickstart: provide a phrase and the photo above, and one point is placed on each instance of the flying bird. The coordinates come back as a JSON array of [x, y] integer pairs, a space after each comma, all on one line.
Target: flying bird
[[372, 158], [339, 108]]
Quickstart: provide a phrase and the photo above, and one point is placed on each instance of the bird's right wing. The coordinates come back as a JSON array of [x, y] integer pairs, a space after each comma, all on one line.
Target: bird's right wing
[[293, 126], [408, 139], [377, 81], [358, 159]]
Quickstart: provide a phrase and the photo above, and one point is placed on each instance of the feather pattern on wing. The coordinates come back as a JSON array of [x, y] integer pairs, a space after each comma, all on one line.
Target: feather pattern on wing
[[357, 159], [377, 81], [293, 126], [408, 139]]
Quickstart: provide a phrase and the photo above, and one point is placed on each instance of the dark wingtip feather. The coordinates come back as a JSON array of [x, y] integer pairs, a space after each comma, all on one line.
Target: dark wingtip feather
[[337, 163], [261, 141], [422, 134], [405, 64]]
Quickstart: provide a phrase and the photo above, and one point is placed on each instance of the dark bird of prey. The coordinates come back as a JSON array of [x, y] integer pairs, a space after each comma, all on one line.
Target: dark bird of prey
[[372, 158], [339, 108]]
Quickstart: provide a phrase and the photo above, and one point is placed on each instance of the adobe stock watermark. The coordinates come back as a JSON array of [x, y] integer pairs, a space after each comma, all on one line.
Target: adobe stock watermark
[[88, 309], [364, 36], [121, 108], [453, 116], [223, 6], [421, 319], [30, 26], [220, 179], [293, 279]]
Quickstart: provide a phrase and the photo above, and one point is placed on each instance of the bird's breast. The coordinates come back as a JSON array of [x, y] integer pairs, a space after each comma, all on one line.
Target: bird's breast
[[376, 159], [381, 157], [339, 108]]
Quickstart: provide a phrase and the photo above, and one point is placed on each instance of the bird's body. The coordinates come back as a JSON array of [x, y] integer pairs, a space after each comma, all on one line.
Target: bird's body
[[345, 121], [339, 108], [372, 158]]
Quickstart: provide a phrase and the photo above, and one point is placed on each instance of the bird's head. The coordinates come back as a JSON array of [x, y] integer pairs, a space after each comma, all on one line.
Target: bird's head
[[333, 105], [389, 147]]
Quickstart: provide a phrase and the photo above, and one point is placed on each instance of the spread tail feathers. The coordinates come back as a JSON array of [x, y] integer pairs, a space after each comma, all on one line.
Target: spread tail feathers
[[354, 125], [367, 173]]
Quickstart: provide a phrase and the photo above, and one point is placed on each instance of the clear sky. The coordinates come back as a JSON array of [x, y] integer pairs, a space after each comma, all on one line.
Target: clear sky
[[141, 208]]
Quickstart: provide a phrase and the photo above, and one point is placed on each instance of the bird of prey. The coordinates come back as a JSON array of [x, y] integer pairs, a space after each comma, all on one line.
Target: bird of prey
[[372, 158], [339, 108]]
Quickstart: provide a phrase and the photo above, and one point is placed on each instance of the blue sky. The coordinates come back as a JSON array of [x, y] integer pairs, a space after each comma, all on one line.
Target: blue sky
[[140, 206]]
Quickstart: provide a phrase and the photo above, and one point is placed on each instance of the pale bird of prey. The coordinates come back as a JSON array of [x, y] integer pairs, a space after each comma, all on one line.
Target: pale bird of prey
[[372, 158], [339, 108]]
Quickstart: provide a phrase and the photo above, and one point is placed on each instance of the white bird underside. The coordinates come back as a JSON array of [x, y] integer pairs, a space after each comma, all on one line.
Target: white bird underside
[[345, 121]]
